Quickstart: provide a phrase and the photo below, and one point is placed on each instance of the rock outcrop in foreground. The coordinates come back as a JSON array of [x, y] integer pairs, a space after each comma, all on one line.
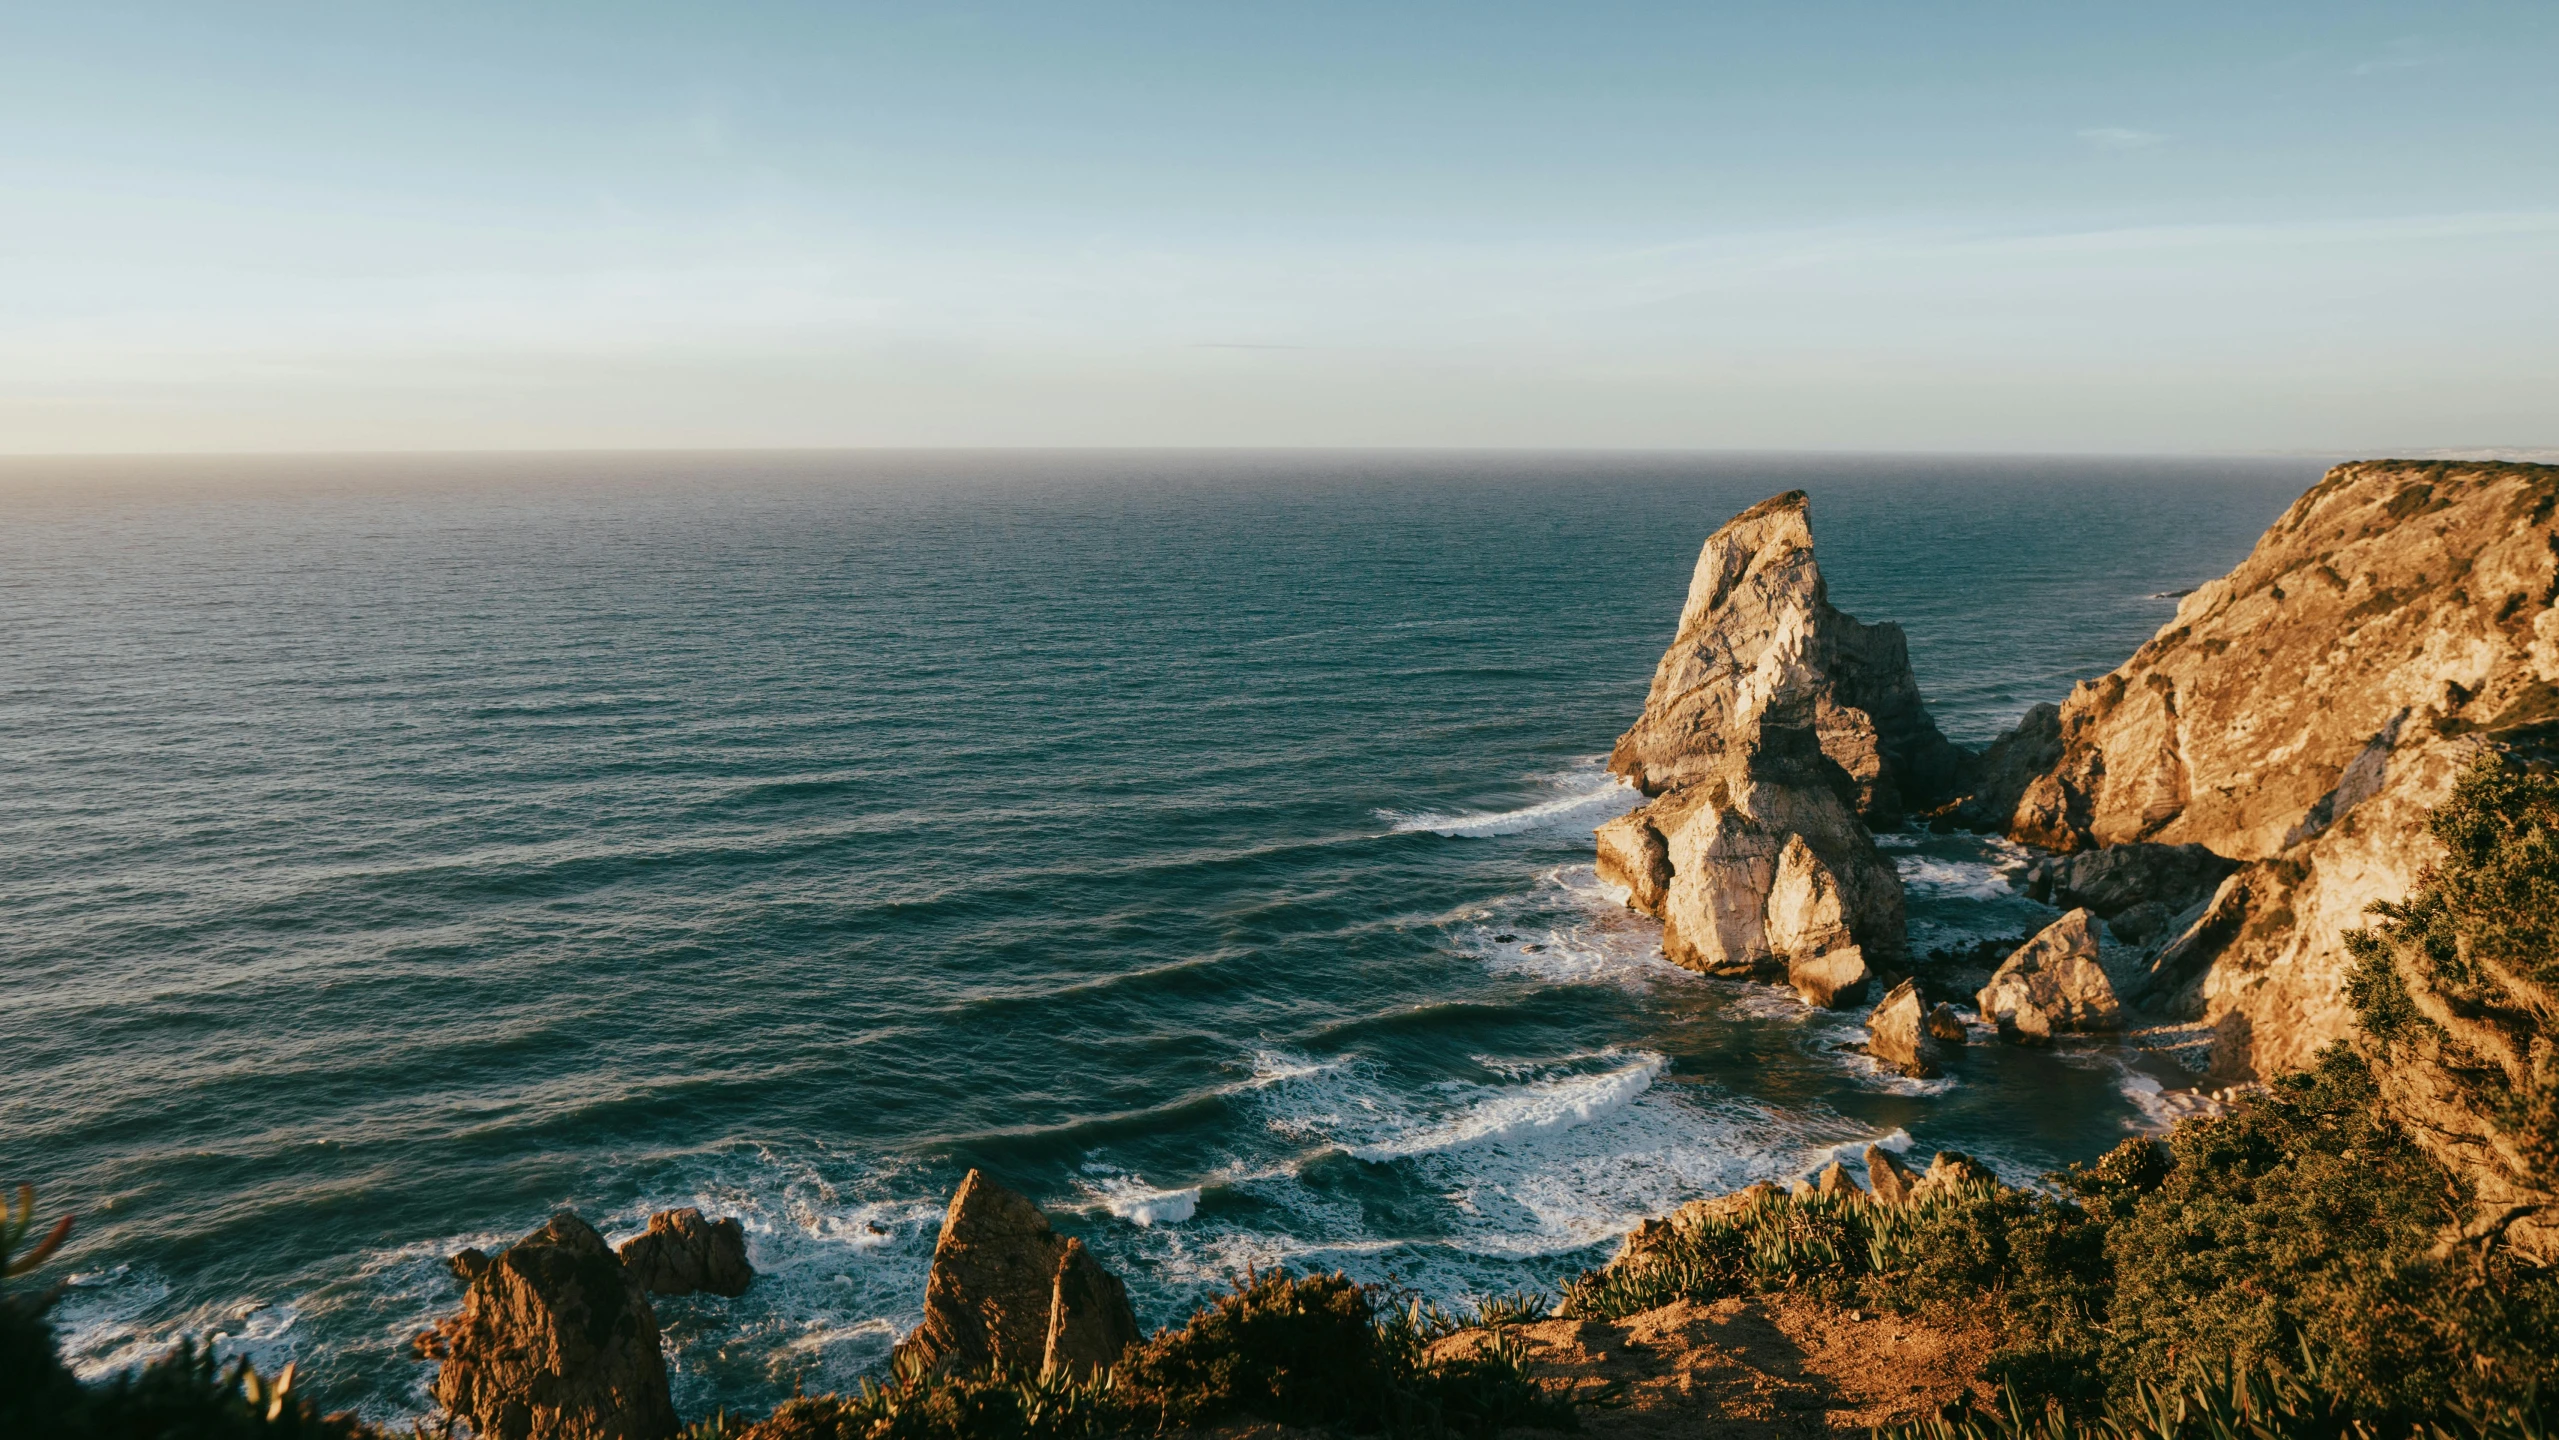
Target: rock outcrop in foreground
[[1776, 729], [555, 1341], [681, 1253], [2301, 716], [1009, 1293]]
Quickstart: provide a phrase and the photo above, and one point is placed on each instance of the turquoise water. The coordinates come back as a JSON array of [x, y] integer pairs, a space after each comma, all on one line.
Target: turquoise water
[[396, 852]]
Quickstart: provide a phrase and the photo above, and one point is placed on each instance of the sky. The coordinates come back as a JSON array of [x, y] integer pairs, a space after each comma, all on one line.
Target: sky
[[2051, 227]]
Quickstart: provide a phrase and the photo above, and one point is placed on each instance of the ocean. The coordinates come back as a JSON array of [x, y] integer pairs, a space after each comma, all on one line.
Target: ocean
[[396, 851]]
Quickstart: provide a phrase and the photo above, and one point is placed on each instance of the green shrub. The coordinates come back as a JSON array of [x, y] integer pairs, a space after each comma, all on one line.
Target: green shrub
[[1303, 1351]]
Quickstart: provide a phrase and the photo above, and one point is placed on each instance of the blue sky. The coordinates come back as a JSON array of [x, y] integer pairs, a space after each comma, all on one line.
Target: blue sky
[[2160, 227]]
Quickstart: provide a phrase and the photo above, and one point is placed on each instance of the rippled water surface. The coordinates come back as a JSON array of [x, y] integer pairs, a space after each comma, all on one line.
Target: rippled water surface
[[395, 852]]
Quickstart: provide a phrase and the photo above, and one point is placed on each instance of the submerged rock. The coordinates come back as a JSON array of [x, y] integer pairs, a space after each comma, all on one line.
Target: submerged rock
[[681, 1252], [555, 1341], [1775, 729], [2055, 982], [1008, 1293]]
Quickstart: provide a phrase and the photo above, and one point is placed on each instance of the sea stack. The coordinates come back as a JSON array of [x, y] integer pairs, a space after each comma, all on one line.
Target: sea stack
[[1008, 1294], [1776, 730], [555, 1341]]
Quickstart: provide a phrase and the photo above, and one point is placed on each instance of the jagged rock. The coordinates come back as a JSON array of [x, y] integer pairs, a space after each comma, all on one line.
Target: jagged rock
[[1090, 1322], [2118, 878], [1892, 1181], [1835, 1180], [1946, 1024], [555, 1341], [1809, 927], [1646, 1242], [1773, 723], [2302, 714], [1952, 1171], [1758, 635], [470, 1265], [681, 1252], [2055, 982], [1633, 854], [1897, 1033], [993, 1300]]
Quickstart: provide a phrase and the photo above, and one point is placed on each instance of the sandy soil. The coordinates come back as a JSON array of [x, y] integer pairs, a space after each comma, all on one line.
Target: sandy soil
[[1771, 1366]]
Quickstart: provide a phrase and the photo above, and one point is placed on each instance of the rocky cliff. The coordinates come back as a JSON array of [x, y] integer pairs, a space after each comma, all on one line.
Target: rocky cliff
[[2303, 714], [1776, 729]]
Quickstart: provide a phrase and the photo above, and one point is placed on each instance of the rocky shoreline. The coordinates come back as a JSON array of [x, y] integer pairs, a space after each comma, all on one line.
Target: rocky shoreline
[[2216, 816], [2216, 819]]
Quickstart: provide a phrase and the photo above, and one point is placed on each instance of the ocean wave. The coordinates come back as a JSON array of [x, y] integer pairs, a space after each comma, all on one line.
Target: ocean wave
[[1590, 795], [1140, 1203], [1537, 1110], [1568, 929]]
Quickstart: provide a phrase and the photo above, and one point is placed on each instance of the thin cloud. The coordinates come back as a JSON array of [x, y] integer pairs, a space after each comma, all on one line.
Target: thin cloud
[[2119, 137], [2404, 54]]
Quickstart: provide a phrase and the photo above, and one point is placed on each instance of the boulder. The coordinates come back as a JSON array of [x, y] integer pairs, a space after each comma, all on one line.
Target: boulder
[[1808, 926], [1090, 1322], [1645, 1243], [2055, 982], [1897, 1033], [993, 1301], [1952, 1172], [681, 1252], [1835, 1180], [1776, 727], [1945, 1024], [1892, 1181], [1634, 856], [555, 1341], [1831, 981]]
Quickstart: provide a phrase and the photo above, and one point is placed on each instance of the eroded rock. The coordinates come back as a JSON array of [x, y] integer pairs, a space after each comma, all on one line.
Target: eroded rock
[[1952, 1172], [1090, 1322], [1898, 1035], [681, 1253], [2119, 878], [1892, 1181], [555, 1341], [2054, 983], [1773, 725], [2301, 714], [1007, 1292]]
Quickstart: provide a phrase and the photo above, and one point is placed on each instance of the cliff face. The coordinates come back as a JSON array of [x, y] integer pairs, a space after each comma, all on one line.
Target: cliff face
[[1775, 727], [2304, 713]]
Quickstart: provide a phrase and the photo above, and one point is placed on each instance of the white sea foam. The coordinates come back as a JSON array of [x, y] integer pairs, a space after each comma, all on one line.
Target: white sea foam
[[1525, 1115], [1588, 795], [2159, 1107], [1931, 877], [1132, 1199], [1568, 929]]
